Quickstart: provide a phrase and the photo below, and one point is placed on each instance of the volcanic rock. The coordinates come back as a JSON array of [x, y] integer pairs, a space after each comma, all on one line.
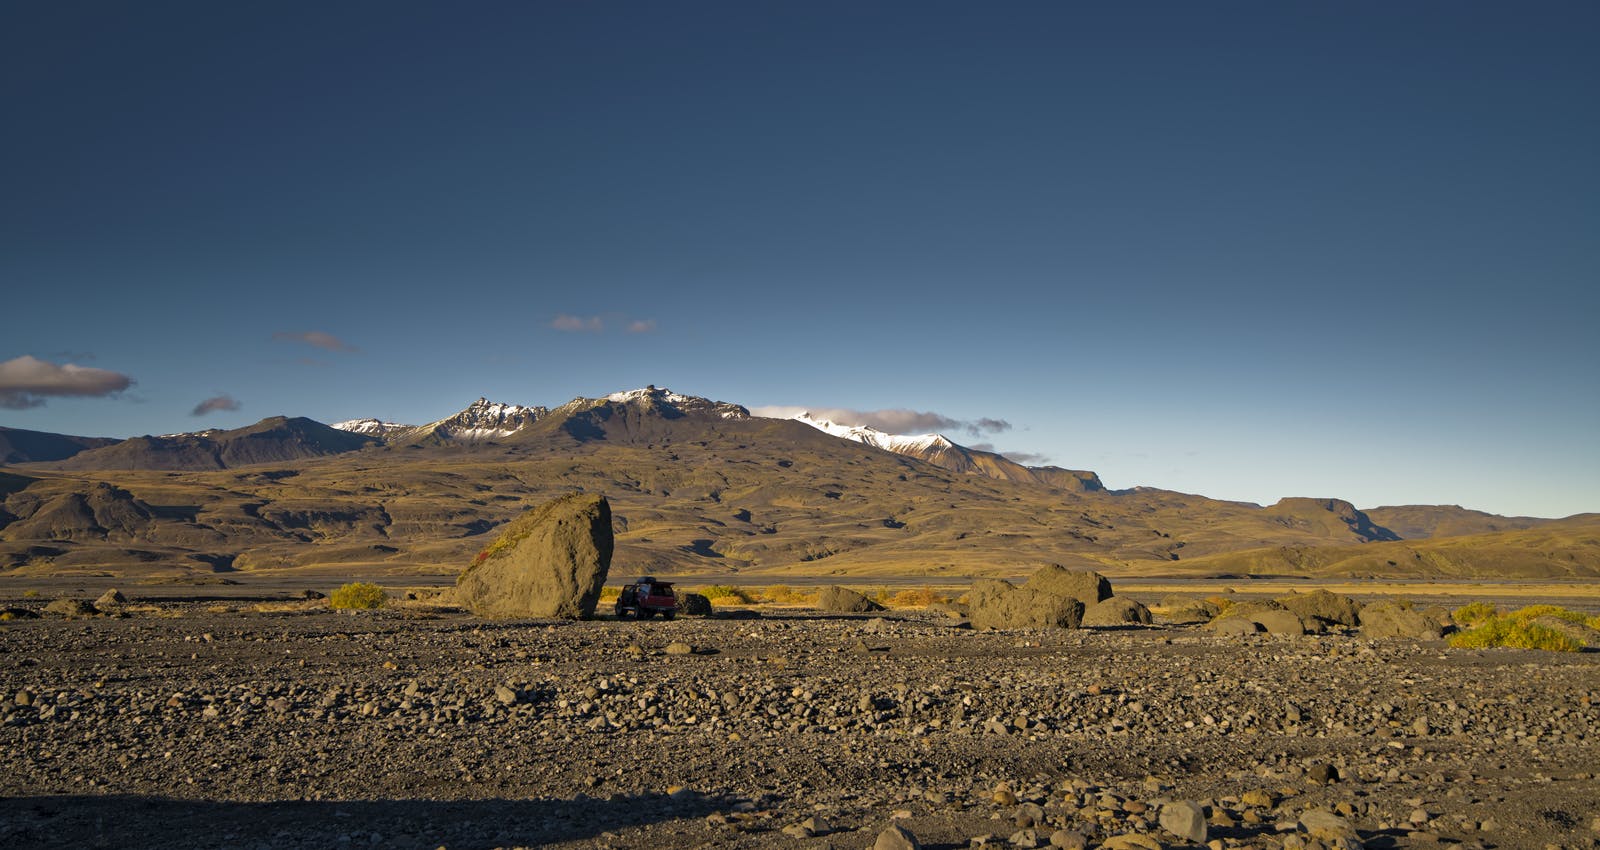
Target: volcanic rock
[[843, 600], [696, 605], [1056, 580], [1116, 611], [1329, 609], [549, 562], [1390, 619]]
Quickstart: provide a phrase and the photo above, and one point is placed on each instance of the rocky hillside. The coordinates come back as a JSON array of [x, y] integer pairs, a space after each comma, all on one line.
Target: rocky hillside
[[18, 445]]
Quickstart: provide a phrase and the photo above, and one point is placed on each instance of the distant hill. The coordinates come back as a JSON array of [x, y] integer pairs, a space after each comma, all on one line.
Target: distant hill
[[942, 451], [1568, 548], [696, 486], [1412, 522], [273, 440], [21, 446]]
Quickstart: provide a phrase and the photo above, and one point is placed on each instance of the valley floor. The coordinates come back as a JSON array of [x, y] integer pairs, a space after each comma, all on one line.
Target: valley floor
[[198, 725]]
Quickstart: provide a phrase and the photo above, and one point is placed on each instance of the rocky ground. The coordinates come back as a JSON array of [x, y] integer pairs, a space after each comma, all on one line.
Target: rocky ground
[[188, 725]]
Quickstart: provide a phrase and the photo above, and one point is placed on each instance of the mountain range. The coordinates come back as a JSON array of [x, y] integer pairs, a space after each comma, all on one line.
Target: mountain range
[[697, 486]]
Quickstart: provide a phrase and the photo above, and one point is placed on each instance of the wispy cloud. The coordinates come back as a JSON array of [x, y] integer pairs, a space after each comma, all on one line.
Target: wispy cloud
[[215, 403], [27, 381], [564, 322], [319, 339], [641, 326], [893, 421], [1026, 458]]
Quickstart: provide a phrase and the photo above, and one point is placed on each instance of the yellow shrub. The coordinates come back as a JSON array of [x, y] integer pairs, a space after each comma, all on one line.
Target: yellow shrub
[[917, 598], [358, 595], [1528, 614], [1473, 613], [610, 594], [725, 593], [1507, 631]]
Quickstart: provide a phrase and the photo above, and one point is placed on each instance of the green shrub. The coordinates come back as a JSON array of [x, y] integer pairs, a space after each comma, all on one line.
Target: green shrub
[[610, 594], [1474, 613], [358, 595]]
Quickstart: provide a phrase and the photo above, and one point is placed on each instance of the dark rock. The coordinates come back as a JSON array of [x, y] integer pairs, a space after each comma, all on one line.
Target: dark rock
[[550, 562], [696, 605]]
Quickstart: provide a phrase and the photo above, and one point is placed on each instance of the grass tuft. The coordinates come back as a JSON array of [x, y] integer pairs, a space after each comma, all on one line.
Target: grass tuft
[[358, 595]]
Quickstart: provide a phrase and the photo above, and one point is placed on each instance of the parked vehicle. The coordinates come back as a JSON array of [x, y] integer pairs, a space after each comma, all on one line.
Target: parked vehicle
[[646, 598]]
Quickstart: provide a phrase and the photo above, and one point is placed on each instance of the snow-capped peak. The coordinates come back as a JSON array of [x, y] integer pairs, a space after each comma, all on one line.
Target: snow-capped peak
[[897, 443], [678, 401], [369, 426], [486, 420]]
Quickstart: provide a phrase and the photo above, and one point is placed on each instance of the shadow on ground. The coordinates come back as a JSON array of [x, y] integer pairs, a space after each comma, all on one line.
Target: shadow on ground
[[126, 821]]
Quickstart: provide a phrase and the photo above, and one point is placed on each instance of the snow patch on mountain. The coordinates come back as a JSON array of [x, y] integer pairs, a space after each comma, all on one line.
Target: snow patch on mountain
[[897, 443]]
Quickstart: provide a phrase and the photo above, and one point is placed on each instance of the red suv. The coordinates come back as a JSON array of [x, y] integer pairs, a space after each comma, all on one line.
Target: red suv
[[646, 598]]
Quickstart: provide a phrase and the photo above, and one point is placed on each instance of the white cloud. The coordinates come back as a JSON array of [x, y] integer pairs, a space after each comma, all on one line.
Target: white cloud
[[26, 381], [641, 326], [564, 322], [322, 340]]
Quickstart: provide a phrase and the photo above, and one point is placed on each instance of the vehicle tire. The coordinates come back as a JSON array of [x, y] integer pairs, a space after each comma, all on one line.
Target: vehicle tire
[[667, 615], [646, 613]]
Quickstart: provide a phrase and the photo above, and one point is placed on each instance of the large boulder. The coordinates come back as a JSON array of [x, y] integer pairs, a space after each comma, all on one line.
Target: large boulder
[[1391, 619], [1265, 615], [1056, 580], [1326, 609], [843, 600], [550, 563], [1116, 611], [1045, 601]]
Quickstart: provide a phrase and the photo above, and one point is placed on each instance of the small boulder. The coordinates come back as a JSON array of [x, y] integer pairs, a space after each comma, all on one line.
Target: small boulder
[[1230, 625], [1326, 609], [1279, 622], [551, 562], [71, 608], [843, 600], [896, 837], [1116, 611], [110, 599], [1185, 819], [1391, 619]]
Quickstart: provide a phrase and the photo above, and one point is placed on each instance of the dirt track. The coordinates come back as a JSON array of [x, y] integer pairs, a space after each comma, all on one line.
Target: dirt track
[[389, 729]]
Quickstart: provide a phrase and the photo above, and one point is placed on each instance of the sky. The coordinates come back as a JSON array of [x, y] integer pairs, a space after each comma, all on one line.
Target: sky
[[1244, 249]]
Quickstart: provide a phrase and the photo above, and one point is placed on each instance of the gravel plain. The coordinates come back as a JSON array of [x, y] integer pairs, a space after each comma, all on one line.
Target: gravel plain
[[204, 725]]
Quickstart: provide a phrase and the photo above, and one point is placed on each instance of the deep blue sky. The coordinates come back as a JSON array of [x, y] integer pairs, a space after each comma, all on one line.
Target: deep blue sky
[[1251, 250]]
